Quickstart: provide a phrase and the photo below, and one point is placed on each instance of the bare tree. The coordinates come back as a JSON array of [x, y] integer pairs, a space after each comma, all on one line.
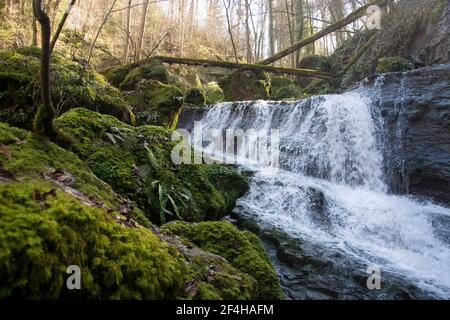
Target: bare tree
[[128, 33], [271, 29], [43, 121], [247, 32], [142, 29], [99, 31], [61, 25], [227, 5]]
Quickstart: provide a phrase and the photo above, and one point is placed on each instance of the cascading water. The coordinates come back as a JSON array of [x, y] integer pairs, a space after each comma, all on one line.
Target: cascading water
[[331, 190]]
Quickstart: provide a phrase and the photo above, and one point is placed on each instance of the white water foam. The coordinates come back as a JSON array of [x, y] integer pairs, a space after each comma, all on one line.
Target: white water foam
[[329, 145]]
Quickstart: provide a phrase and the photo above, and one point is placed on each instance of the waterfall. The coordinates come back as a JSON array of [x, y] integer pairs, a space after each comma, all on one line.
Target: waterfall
[[333, 190]]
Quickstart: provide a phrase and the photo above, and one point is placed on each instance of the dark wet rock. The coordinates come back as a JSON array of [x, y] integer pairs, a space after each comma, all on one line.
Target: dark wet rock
[[189, 114], [195, 97], [441, 225], [246, 85], [415, 107], [317, 206], [313, 272]]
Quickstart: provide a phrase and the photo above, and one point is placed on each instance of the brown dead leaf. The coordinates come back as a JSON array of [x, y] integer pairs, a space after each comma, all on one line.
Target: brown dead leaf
[[41, 198], [5, 152], [6, 175], [191, 288], [62, 176]]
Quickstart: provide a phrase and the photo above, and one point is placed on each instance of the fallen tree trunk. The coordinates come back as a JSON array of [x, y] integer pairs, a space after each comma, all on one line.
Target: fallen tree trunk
[[355, 15], [359, 53], [245, 66]]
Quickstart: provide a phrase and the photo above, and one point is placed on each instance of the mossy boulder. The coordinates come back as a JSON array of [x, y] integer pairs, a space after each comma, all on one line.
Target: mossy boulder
[[211, 276], [127, 77], [117, 74], [246, 85], [156, 103], [195, 97], [284, 87], [153, 70], [394, 64], [72, 85], [51, 219], [319, 87], [315, 62], [241, 248], [214, 93], [137, 163], [40, 240]]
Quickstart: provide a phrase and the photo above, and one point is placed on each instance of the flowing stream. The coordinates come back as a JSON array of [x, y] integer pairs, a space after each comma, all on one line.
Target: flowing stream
[[332, 189]]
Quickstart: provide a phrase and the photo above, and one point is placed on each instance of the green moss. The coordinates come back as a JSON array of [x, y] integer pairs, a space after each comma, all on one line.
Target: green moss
[[230, 184], [195, 97], [438, 10], [394, 64], [315, 62], [31, 156], [287, 93], [38, 243], [318, 87], [284, 88], [73, 85], [116, 75], [241, 248], [137, 163], [156, 103], [153, 70], [214, 93], [46, 226], [246, 85]]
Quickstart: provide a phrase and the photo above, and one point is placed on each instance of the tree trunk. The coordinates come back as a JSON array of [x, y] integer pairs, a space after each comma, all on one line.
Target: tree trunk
[[230, 31], [290, 30], [245, 66], [247, 32], [271, 31], [181, 29], [359, 53], [142, 29], [43, 121], [34, 36], [331, 28], [91, 50], [61, 25], [128, 33]]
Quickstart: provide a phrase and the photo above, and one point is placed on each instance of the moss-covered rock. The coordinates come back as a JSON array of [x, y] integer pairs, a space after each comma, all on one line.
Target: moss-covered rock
[[137, 163], [284, 88], [117, 74], [289, 92], [153, 70], [73, 85], [394, 64], [51, 219], [315, 62], [246, 85], [40, 240], [318, 87], [214, 93], [156, 103], [195, 97], [241, 248], [210, 276], [54, 212]]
